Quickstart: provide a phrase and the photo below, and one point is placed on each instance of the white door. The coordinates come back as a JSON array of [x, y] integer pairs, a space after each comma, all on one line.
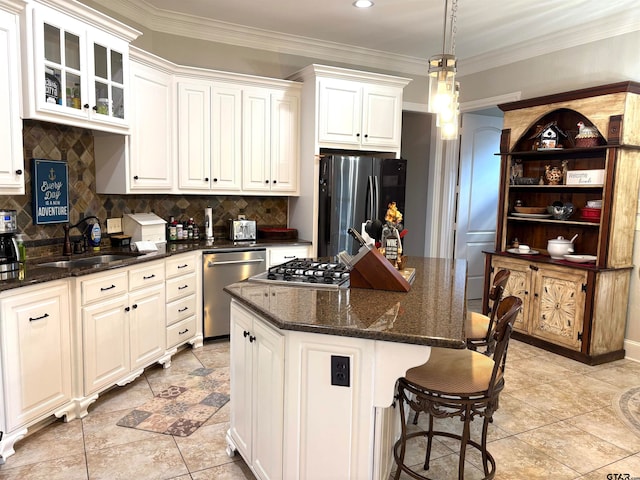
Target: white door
[[478, 183]]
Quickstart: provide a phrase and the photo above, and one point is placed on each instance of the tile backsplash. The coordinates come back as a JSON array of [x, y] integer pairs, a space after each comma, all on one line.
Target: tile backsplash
[[75, 146]]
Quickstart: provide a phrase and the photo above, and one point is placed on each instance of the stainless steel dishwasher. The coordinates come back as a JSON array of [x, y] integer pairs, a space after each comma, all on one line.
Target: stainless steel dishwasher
[[222, 268]]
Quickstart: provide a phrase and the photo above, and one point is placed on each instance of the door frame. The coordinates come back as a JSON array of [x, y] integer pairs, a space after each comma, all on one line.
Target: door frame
[[443, 182]]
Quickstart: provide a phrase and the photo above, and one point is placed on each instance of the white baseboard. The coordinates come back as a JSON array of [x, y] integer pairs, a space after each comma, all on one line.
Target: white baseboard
[[632, 350]]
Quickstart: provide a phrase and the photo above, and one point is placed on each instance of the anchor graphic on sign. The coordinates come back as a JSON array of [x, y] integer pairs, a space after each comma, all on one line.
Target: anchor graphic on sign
[[52, 174]]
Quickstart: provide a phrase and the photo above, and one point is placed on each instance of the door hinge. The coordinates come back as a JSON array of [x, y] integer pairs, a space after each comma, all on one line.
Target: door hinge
[[584, 287], [580, 336]]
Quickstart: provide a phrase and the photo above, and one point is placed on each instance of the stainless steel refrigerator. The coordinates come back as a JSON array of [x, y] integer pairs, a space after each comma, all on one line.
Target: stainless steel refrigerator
[[354, 189]]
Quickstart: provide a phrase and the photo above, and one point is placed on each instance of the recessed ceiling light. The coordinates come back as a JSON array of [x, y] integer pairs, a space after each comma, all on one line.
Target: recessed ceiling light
[[363, 3]]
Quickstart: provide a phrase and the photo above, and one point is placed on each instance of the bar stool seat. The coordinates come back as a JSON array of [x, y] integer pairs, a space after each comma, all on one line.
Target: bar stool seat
[[456, 383]]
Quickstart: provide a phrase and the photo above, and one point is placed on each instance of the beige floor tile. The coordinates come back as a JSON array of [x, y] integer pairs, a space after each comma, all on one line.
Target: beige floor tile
[[517, 460], [229, 471], [118, 398], [536, 369], [605, 424], [627, 468], [72, 467], [48, 443], [221, 416], [205, 448], [155, 458], [443, 468], [101, 431], [520, 350], [583, 453], [515, 416], [624, 374]]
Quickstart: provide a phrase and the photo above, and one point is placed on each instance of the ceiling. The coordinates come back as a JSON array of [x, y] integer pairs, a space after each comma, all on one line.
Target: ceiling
[[489, 32]]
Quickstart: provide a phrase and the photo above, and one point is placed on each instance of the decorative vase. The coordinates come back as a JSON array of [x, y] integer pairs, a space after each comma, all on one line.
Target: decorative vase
[[553, 175]]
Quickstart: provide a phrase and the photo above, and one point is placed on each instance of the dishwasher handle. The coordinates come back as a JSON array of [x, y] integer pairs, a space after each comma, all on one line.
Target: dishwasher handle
[[230, 262]]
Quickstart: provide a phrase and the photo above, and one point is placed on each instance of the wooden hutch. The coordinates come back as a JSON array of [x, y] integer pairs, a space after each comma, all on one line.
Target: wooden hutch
[[575, 309]]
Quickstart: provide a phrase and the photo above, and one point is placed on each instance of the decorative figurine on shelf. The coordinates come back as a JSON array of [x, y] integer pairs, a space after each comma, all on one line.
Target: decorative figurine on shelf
[[553, 175], [391, 241], [588, 136], [549, 136]]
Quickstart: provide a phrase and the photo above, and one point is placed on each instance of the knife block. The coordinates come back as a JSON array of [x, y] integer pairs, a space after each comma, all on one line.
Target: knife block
[[373, 270]]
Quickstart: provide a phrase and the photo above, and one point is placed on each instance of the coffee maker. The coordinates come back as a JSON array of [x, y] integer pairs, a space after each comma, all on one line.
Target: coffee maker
[[9, 256]]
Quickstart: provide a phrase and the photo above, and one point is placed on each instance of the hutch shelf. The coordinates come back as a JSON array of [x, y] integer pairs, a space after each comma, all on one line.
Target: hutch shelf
[[575, 309]]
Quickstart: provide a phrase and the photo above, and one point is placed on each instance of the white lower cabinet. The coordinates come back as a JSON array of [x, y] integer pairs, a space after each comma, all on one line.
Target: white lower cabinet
[[257, 390], [123, 324], [183, 298], [36, 351]]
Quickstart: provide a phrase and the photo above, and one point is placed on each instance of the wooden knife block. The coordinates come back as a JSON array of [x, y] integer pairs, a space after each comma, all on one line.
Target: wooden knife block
[[374, 271]]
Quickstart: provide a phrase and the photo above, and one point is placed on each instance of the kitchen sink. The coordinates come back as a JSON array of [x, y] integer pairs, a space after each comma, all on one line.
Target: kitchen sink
[[86, 262]]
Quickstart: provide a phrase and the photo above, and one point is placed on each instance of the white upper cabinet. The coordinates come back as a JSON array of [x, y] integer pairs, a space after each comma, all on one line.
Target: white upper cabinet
[[76, 66], [11, 155], [209, 136], [353, 110], [358, 114], [271, 129]]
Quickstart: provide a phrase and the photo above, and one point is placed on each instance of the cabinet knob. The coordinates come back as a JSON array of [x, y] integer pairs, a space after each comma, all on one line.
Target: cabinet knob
[[246, 334], [18, 172], [252, 339], [274, 181], [135, 177], [215, 179], [206, 179], [366, 135], [86, 105], [127, 309], [135, 305], [266, 181], [357, 134]]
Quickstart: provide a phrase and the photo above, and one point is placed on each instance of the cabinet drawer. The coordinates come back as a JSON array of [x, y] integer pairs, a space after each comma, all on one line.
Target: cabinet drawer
[[181, 286], [180, 264], [181, 309], [104, 286], [181, 332], [281, 255], [151, 273]]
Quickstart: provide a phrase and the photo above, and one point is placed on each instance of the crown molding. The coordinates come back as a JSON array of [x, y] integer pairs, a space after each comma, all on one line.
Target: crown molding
[[228, 33], [614, 26]]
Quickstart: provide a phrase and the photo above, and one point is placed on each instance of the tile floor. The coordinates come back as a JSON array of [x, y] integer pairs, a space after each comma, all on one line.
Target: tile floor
[[555, 422]]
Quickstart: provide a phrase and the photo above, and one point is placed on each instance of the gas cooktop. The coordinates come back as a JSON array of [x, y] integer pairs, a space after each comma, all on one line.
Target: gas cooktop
[[306, 272]]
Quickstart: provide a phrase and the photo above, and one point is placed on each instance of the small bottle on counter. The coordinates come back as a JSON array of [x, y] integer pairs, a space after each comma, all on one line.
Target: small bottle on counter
[[179, 231], [190, 229], [196, 232]]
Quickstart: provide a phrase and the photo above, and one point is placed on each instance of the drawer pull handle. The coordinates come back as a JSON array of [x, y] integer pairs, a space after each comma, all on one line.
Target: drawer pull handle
[[290, 256], [148, 277], [38, 318], [180, 310], [183, 287], [183, 331], [104, 289], [183, 266]]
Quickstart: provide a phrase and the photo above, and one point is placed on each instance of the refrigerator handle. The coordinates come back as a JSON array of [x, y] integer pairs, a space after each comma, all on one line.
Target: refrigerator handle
[[377, 197], [370, 188]]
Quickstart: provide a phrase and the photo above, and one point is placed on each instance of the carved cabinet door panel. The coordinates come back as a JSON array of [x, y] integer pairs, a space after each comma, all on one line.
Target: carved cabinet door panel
[[558, 305], [519, 285]]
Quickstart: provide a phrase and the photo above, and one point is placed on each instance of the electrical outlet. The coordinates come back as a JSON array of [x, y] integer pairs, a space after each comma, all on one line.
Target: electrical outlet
[[114, 225], [340, 371]]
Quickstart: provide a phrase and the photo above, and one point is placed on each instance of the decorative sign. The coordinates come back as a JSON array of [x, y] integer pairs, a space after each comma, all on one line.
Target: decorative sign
[[50, 191]]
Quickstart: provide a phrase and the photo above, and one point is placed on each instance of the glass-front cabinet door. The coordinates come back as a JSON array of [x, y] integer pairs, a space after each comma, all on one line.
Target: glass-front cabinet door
[[60, 65], [108, 73], [79, 71]]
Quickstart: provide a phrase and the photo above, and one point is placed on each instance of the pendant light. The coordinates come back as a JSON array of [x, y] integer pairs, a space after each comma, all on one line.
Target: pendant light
[[443, 88]]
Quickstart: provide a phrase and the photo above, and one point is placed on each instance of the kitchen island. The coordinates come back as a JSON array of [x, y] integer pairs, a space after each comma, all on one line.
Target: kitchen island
[[313, 370]]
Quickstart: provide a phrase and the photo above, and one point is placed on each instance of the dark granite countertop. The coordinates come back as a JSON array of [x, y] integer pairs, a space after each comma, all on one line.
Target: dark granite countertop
[[431, 313], [38, 274]]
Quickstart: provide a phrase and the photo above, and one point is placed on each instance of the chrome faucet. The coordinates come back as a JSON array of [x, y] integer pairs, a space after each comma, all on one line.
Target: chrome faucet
[[66, 249]]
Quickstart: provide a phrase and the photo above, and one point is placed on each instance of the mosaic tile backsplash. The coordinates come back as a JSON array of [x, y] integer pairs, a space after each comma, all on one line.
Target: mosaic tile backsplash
[[75, 146]]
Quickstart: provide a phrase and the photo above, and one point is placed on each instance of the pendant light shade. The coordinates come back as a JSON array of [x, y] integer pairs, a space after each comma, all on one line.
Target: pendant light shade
[[443, 88]]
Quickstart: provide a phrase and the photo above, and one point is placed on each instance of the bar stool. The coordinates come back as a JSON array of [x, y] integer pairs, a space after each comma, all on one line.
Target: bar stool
[[479, 326], [456, 383]]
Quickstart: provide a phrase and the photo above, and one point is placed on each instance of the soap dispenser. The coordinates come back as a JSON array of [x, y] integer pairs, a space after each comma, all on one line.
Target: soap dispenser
[[95, 236]]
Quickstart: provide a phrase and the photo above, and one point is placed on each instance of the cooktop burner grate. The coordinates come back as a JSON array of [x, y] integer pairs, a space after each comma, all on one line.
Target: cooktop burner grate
[[306, 271]]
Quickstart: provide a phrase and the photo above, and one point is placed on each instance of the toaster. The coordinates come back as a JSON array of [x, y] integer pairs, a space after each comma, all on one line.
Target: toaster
[[240, 230]]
